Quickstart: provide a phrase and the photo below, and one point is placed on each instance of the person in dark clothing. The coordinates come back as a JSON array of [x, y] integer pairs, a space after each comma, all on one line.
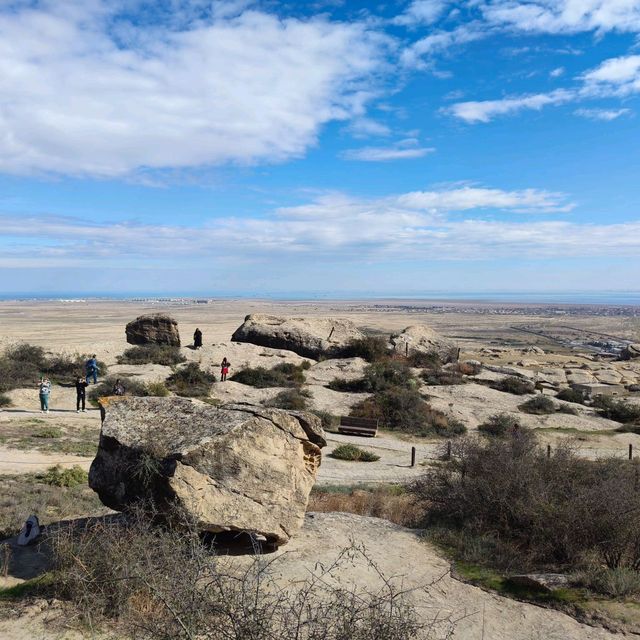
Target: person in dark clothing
[[197, 339], [118, 388], [224, 369], [92, 369], [81, 393]]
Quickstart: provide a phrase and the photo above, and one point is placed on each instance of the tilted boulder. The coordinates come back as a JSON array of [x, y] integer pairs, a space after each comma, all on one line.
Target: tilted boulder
[[154, 328], [308, 337], [230, 468], [420, 338], [630, 352]]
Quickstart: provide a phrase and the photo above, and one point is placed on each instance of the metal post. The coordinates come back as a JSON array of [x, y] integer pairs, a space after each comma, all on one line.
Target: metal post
[[413, 456], [630, 452], [548, 451]]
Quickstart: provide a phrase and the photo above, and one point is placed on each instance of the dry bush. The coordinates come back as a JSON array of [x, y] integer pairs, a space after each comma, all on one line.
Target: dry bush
[[515, 385], [370, 348], [618, 410], [191, 381], [284, 374], [353, 453], [499, 425], [556, 511], [391, 502], [291, 400], [152, 354], [163, 583], [538, 405]]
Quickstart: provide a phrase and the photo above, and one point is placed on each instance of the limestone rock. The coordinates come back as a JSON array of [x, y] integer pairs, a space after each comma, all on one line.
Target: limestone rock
[[308, 337], [630, 352], [232, 468], [154, 328], [420, 338], [546, 582]]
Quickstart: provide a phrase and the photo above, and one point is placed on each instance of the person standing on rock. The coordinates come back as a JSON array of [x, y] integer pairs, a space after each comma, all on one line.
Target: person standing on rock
[[224, 369], [92, 369], [197, 339], [44, 388], [81, 393]]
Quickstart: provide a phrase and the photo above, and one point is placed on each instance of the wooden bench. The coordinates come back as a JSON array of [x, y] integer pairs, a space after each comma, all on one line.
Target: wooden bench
[[358, 426]]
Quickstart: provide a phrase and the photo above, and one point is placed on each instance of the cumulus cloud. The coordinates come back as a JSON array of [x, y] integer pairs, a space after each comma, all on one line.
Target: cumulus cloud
[[87, 91], [421, 12]]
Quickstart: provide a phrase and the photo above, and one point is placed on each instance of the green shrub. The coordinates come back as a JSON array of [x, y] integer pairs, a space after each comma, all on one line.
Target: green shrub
[[499, 425], [377, 377], [48, 432], [515, 385], [152, 354], [370, 348], [539, 405], [27, 354], [404, 409], [59, 477], [617, 410], [291, 399], [5, 400], [284, 374], [441, 377], [191, 381], [354, 453], [572, 395], [157, 389]]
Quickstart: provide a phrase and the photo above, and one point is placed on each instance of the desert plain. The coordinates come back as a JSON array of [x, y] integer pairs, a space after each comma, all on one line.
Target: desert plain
[[554, 346]]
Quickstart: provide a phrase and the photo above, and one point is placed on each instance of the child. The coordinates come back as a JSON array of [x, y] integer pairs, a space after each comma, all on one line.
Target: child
[[224, 369], [44, 391]]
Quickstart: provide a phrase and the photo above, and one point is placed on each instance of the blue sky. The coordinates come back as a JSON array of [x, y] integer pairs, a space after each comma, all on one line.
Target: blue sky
[[240, 147]]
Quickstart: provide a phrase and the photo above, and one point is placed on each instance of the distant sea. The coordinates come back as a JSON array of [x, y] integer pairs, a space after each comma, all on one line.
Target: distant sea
[[615, 298]]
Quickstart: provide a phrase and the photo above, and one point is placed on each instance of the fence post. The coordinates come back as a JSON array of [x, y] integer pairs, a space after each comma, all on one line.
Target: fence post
[[548, 451], [630, 452], [406, 349], [449, 450], [413, 456]]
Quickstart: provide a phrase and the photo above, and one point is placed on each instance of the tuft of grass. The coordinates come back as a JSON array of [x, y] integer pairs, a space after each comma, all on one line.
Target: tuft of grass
[[291, 400], [48, 432], [5, 400], [516, 386], [538, 405], [353, 453]]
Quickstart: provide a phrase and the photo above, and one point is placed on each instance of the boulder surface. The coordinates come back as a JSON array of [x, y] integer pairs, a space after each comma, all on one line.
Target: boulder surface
[[154, 328], [231, 468], [631, 352], [419, 338], [308, 337]]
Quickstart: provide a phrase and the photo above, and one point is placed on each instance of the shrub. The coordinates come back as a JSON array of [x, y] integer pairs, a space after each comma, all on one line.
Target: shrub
[[404, 409], [292, 400], [424, 360], [118, 570], [617, 410], [329, 421], [377, 377], [5, 400], [440, 377], [59, 477], [621, 582], [284, 374], [539, 405], [48, 432], [152, 354], [572, 395], [157, 389], [371, 348], [131, 386], [27, 354], [499, 425], [554, 511], [515, 385], [354, 453], [191, 381]]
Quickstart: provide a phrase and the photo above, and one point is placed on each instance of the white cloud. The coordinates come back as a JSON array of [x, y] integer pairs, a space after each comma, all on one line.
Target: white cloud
[[602, 114], [86, 93], [439, 41], [615, 76], [421, 12], [557, 72], [403, 150], [485, 110]]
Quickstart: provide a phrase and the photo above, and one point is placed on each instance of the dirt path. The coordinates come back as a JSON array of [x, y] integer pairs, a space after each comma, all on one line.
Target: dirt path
[[15, 461]]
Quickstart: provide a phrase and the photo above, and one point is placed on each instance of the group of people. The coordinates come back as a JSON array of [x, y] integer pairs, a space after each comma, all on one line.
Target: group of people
[[91, 374]]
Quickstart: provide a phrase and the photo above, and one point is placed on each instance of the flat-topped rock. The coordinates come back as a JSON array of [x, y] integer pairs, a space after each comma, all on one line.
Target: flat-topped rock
[[420, 338], [231, 468], [308, 337], [153, 328]]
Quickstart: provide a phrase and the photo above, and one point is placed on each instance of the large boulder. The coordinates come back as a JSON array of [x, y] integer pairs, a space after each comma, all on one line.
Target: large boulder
[[419, 338], [231, 468], [308, 337], [630, 352], [153, 328]]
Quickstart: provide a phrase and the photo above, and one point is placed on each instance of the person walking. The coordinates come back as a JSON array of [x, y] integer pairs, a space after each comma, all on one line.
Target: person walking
[[81, 393], [224, 369], [197, 339], [44, 388], [92, 369], [118, 388]]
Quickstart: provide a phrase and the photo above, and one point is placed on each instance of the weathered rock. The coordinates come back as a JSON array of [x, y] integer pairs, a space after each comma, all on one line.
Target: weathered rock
[[308, 337], [546, 582], [232, 468], [420, 338], [154, 328], [631, 352]]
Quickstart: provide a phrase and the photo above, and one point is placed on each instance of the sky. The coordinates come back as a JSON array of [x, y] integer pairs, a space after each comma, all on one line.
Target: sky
[[319, 148]]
